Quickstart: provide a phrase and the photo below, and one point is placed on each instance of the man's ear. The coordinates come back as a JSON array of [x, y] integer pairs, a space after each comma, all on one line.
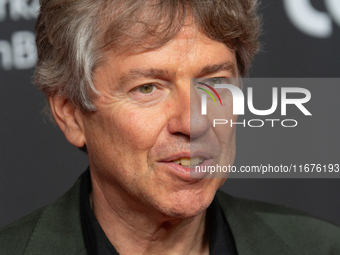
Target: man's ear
[[69, 119]]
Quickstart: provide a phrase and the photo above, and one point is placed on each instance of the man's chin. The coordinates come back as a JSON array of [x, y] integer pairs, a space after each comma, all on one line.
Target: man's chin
[[184, 201], [185, 214], [187, 208]]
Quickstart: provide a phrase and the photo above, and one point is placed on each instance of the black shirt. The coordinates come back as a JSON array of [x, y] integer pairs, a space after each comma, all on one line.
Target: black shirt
[[221, 241]]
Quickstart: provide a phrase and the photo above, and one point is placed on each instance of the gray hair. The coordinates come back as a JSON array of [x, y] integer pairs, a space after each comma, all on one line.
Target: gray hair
[[73, 36]]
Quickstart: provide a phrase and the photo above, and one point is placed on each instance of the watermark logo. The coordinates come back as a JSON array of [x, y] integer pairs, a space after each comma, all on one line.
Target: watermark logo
[[231, 94], [238, 100], [209, 93], [204, 97]]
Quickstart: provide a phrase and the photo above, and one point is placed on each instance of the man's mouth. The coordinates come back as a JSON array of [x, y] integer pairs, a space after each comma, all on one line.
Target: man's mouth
[[189, 162]]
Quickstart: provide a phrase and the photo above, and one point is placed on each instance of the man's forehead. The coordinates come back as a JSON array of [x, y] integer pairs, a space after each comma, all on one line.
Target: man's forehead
[[207, 57], [186, 39]]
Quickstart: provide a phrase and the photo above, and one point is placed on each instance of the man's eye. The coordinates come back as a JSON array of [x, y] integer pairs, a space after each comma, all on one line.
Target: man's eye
[[147, 88], [218, 80]]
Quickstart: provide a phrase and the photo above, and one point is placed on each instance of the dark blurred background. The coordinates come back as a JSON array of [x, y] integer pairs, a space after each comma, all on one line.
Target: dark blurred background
[[300, 38]]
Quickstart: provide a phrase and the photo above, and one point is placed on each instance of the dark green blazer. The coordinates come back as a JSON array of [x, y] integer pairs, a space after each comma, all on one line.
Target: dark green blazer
[[258, 228]]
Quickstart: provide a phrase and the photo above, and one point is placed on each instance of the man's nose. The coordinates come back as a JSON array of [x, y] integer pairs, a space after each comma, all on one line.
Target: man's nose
[[188, 119]]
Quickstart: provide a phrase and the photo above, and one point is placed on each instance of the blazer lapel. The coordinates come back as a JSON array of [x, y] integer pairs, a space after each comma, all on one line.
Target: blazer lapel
[[252, 235], [59, 229]]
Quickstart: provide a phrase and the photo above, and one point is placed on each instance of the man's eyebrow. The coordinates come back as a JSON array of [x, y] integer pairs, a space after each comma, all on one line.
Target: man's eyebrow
[[226, 66], [154, 73]]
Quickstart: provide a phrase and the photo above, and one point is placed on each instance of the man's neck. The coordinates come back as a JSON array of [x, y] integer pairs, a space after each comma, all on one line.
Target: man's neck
[[146, 231]]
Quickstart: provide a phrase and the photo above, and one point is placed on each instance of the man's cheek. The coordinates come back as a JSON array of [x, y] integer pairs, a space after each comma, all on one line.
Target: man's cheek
[[141, 129]]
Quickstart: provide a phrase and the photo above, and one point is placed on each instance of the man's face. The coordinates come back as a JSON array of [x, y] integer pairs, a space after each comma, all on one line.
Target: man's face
[[143, 124]]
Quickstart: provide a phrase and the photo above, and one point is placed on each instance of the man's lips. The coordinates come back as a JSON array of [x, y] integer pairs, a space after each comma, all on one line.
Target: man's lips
[[184, 171], [203, 154]]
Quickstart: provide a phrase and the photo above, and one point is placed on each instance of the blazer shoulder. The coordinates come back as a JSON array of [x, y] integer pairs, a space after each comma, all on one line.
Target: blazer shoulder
[[15, 237], [296, 228], [53, 229]]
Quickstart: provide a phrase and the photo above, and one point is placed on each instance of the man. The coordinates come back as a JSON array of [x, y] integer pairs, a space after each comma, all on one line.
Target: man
[[117, 76]]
